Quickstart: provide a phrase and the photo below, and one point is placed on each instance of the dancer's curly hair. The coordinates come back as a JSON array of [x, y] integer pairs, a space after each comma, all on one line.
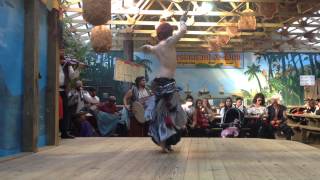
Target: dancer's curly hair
[[164, 31]]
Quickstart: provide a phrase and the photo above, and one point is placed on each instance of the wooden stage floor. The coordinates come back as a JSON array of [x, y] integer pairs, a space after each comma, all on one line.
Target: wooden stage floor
[[194, 158]]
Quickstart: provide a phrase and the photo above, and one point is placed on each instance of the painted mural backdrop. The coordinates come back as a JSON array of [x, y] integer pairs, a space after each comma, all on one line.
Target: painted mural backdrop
[[271, 73], [282, 72]]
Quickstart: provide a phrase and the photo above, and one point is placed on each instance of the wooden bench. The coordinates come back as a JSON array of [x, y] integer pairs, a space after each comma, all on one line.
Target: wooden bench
[[310, 126]]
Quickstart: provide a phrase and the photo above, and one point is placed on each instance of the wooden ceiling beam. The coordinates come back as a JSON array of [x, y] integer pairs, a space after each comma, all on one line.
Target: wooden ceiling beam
[[199, 24], [200, 33]]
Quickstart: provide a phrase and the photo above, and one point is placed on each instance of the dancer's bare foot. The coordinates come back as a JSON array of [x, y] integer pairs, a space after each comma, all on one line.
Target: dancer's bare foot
[[169, 147], [164, 148]]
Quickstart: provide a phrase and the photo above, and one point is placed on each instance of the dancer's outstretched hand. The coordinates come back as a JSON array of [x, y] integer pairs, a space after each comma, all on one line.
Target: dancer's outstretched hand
[[184, 17]]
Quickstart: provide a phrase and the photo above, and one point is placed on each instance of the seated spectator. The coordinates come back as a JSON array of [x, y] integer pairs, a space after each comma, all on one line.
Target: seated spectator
[[107, 117], [82, 126], [258, 106], [207, 109], [239, 105], [276, 119], [109, 106], [318, 107], [227, 105], [259, 109], [200, 122], [189, 109], [311, 106]]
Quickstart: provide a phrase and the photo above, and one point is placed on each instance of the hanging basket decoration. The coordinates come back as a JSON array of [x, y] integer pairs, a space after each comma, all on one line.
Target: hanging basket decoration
[[247, 21], [232, 31], [213, 45], [96, 12], [268, 10], [222, 40], [101, 39]]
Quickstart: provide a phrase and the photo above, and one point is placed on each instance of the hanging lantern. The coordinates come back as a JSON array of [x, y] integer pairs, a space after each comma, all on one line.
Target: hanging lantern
[[232, 31], [267, 10], [96, 12], [247, 21], [101, 39]]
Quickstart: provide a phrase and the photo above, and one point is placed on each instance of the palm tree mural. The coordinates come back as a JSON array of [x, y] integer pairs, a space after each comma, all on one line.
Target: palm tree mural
[[252, 72]]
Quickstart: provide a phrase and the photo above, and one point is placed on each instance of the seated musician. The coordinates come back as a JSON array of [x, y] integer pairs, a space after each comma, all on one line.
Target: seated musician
[[139, 93]]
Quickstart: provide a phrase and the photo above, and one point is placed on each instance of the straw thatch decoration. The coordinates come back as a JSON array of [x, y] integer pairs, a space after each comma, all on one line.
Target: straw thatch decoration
[[96, 12], [232, 31], [101, 39], [268, 10], [247, 22]]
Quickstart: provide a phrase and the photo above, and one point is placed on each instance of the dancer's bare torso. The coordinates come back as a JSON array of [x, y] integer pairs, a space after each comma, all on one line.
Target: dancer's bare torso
[[166, 53]]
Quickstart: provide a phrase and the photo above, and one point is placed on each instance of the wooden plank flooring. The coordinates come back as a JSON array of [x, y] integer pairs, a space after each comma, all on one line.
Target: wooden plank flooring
[[194, 158]]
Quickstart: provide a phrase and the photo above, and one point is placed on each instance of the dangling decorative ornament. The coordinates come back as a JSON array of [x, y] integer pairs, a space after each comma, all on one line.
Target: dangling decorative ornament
[[101, 39], [96, 12], [247, 21]]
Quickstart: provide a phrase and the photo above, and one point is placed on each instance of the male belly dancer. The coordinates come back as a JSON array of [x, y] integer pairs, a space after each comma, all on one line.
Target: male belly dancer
[[168, 116]]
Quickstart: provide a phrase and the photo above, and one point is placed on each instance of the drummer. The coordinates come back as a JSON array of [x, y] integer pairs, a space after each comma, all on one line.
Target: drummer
[[139, 93]]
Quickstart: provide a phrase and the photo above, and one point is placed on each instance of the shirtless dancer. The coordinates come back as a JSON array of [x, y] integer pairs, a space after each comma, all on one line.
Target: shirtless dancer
[[168, 117]]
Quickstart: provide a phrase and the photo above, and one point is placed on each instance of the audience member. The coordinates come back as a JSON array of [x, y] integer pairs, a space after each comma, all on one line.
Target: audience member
[[227, 105], [239, 105]]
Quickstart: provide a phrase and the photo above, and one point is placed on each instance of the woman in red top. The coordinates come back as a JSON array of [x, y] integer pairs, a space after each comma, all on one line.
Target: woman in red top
[[200, 121]]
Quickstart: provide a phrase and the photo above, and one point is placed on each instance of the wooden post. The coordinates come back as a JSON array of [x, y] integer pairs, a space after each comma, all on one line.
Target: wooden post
[[52, 101], [128, 46], [31, 104]]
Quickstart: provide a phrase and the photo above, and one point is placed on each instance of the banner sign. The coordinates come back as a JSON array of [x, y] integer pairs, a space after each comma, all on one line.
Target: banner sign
[[307, 80], [210, 60], [127, 71]]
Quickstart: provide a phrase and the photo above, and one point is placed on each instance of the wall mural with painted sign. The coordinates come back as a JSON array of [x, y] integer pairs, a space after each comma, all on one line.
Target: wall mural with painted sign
[[210, 60]]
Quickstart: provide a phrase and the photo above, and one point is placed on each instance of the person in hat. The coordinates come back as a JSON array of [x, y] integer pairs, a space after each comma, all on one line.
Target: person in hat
[[66, 74], [169, 117], [277, 119]]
